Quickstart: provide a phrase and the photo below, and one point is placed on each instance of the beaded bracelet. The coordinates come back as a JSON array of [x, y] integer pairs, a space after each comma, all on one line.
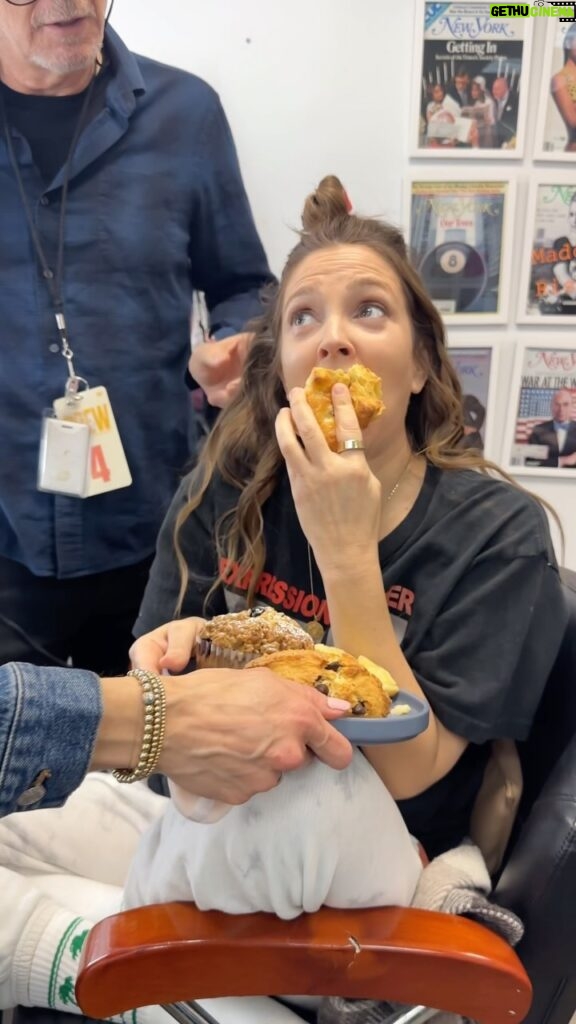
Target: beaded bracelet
[[154, 699]]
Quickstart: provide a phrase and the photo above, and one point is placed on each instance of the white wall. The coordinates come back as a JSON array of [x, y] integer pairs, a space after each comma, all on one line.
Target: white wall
[[312, 87]]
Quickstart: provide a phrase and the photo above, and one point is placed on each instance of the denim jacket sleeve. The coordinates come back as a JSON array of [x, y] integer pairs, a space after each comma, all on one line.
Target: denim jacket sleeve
[[48, 722]]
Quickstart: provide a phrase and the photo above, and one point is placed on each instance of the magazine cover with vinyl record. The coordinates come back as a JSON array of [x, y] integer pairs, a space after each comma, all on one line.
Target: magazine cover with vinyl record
[[457, 237]]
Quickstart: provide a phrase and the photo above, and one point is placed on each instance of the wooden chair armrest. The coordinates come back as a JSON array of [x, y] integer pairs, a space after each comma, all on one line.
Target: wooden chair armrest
[[173, 952]]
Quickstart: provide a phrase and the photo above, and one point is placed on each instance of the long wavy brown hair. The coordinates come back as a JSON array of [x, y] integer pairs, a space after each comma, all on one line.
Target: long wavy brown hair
[[242, 446]]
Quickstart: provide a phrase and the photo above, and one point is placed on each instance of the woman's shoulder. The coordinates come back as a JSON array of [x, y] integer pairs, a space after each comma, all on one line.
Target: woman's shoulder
[[488, 491], [207, 502], [216, 489], [493, 505]]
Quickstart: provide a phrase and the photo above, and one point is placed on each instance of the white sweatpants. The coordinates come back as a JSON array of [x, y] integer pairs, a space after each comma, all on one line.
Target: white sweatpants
[[321, 837], [61, 871]]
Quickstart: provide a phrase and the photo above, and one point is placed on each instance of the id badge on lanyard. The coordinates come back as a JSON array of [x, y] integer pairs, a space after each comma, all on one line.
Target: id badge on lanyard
[[81, 453], [105, 468]]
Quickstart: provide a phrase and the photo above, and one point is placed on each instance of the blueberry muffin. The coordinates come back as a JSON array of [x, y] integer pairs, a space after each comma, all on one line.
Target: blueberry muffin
[[233, 640]]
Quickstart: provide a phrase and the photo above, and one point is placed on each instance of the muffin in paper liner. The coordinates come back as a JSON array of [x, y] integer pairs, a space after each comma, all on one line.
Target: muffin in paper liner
[[209, 655], [234, 640]]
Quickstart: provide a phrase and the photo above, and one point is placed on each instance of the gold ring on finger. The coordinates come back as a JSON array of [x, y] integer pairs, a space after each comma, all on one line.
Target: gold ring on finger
[[351, 445]]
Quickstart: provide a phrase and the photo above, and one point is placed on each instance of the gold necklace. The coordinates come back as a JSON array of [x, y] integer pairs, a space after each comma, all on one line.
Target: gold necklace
[[314, 628]]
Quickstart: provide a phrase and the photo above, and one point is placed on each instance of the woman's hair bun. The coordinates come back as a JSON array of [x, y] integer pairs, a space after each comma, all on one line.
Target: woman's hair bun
[[329, 202]]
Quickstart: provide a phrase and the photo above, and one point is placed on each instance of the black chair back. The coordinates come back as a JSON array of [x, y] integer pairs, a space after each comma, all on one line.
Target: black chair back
[[555, 723], [539, 879]]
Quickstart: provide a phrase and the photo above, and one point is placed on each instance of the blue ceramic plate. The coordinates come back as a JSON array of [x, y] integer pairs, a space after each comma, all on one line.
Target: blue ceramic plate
[[392, 729]]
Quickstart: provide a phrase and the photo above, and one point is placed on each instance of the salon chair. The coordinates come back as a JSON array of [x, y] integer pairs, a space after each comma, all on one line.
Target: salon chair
[[173, 954]]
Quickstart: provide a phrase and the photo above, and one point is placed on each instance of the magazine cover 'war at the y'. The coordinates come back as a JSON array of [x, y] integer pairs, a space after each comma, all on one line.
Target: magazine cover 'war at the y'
[[543, 434], [457, 240], [471, 78]]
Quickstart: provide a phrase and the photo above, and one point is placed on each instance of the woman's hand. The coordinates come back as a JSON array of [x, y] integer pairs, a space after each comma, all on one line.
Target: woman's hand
[[337, 497], [168, 648]]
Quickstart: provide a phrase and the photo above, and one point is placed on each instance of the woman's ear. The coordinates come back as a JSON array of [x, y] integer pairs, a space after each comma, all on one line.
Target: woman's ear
[[420, 365], [419, 378]]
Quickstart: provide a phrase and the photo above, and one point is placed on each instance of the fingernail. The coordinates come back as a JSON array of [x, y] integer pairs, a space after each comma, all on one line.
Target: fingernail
[[340, 390], [338, 705]]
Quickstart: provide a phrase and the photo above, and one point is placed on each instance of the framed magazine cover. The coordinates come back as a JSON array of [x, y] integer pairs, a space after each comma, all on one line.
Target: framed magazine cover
[[548, 273], [471, 87], [540, 437], [476, 363], [556, 123], [459, 232]]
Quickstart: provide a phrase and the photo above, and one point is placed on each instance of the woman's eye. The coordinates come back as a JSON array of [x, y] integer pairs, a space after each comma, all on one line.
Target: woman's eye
[[371, 310], [301, 318]]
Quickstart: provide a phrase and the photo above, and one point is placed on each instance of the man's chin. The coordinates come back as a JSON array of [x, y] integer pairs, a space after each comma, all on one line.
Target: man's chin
[[66, 63]]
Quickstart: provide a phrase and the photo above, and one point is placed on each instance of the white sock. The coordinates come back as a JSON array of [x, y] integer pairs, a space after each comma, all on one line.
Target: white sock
[[45, 963]]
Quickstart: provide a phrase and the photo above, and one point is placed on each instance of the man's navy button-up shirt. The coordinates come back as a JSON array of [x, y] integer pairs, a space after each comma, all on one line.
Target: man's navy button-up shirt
[[156, 208]]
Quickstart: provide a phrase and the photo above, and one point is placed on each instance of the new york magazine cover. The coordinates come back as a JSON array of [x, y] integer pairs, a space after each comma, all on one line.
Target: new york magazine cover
[[473, 366], [542, 437], [557, 116], [471, 80], [548, 287], [458, 242]]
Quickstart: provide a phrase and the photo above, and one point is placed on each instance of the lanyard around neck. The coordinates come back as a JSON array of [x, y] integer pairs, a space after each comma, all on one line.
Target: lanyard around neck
[[53, 278]]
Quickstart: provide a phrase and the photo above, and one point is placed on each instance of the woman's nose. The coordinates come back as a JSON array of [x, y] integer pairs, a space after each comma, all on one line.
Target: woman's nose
[[334, 340]]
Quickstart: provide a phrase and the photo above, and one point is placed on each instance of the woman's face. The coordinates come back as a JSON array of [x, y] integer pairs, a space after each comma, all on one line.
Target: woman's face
[[438, 93], [345, 305], [475, 91]]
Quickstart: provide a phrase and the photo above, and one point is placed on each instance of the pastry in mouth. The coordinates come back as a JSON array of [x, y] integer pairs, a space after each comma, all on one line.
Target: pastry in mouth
[[365, 391], [334, 672]]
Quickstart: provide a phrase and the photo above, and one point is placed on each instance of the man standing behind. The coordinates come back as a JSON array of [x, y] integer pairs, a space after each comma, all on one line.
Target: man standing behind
[[506, 114], [120, 192], [459, 88], [559, 433]]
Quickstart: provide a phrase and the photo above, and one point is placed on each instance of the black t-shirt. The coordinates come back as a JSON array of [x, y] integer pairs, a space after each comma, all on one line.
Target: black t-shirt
[[48, 123], [474, 595]]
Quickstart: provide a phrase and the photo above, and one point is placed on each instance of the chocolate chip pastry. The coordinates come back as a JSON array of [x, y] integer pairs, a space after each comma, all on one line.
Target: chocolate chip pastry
[[337, 674]]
